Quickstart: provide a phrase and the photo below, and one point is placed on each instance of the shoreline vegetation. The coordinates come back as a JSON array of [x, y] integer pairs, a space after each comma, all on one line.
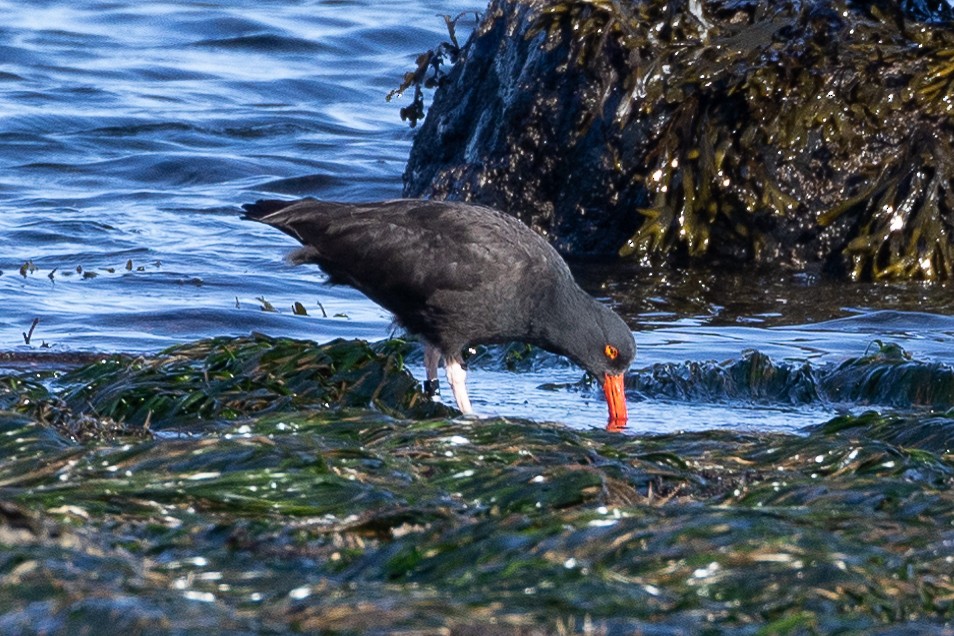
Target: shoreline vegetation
[[261, 484]]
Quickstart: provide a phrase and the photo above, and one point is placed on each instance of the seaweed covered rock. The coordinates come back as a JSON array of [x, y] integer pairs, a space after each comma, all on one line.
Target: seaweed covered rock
[[309, 522], [302, 518], [221, 379], [810, 134], [928, 10], [888, 376]]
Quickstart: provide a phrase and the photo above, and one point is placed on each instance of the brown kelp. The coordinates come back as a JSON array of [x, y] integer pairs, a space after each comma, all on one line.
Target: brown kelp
[[801, 133], [430, 72]]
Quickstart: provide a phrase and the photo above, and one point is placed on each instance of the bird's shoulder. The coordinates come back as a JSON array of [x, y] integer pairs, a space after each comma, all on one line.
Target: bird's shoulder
[[484, 240], [455, 244]]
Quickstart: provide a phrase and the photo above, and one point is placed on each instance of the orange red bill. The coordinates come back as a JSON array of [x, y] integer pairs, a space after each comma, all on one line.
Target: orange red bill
[[615, 400]]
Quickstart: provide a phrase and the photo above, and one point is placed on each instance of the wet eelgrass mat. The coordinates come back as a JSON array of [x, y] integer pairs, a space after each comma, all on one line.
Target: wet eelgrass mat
[[296, 510]]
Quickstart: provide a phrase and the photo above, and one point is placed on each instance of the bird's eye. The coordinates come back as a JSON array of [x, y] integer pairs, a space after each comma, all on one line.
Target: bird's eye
[[611, 352]]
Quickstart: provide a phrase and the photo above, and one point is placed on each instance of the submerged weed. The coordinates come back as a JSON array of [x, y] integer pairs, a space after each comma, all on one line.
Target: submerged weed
[[298, 508]]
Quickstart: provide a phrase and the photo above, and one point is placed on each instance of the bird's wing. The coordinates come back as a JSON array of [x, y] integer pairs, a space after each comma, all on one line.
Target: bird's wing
[[416, 246], [453, 273]]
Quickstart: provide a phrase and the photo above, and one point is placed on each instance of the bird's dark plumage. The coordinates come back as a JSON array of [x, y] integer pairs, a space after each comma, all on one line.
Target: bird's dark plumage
[[456, 274]]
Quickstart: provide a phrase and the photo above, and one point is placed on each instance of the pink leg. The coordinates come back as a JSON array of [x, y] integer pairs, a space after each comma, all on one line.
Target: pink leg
[[456, 376]]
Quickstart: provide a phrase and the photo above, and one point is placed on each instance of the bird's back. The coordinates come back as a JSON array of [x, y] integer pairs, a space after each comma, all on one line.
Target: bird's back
[[438, 266]]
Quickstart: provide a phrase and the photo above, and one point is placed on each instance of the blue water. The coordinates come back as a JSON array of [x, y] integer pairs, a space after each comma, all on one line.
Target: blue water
[[131, 132]]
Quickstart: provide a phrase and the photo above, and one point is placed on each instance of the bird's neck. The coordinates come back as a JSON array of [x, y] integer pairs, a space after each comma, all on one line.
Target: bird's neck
[[560, 323]]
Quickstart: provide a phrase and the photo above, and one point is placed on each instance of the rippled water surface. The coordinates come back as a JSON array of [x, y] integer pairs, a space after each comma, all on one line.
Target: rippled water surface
[[131, 132]]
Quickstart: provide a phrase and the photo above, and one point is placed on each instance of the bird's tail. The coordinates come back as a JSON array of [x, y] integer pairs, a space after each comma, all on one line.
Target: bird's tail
[[263, 207]]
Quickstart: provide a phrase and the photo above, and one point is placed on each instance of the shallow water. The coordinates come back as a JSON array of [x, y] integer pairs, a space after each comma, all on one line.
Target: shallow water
[[131, 132]]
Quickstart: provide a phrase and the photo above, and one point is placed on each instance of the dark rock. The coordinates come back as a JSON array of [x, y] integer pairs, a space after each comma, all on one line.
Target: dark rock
[[805, 134], [500, 130], [928, 10]]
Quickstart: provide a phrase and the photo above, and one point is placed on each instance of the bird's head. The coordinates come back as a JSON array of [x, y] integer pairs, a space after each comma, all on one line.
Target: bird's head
[[614, 385], [606, 348]]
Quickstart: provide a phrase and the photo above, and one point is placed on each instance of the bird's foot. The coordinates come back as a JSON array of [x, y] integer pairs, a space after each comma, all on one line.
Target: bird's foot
[[432, 389]]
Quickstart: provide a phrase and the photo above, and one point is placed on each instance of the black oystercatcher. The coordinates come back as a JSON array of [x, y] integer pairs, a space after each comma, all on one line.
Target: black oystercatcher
[[458, 274]]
